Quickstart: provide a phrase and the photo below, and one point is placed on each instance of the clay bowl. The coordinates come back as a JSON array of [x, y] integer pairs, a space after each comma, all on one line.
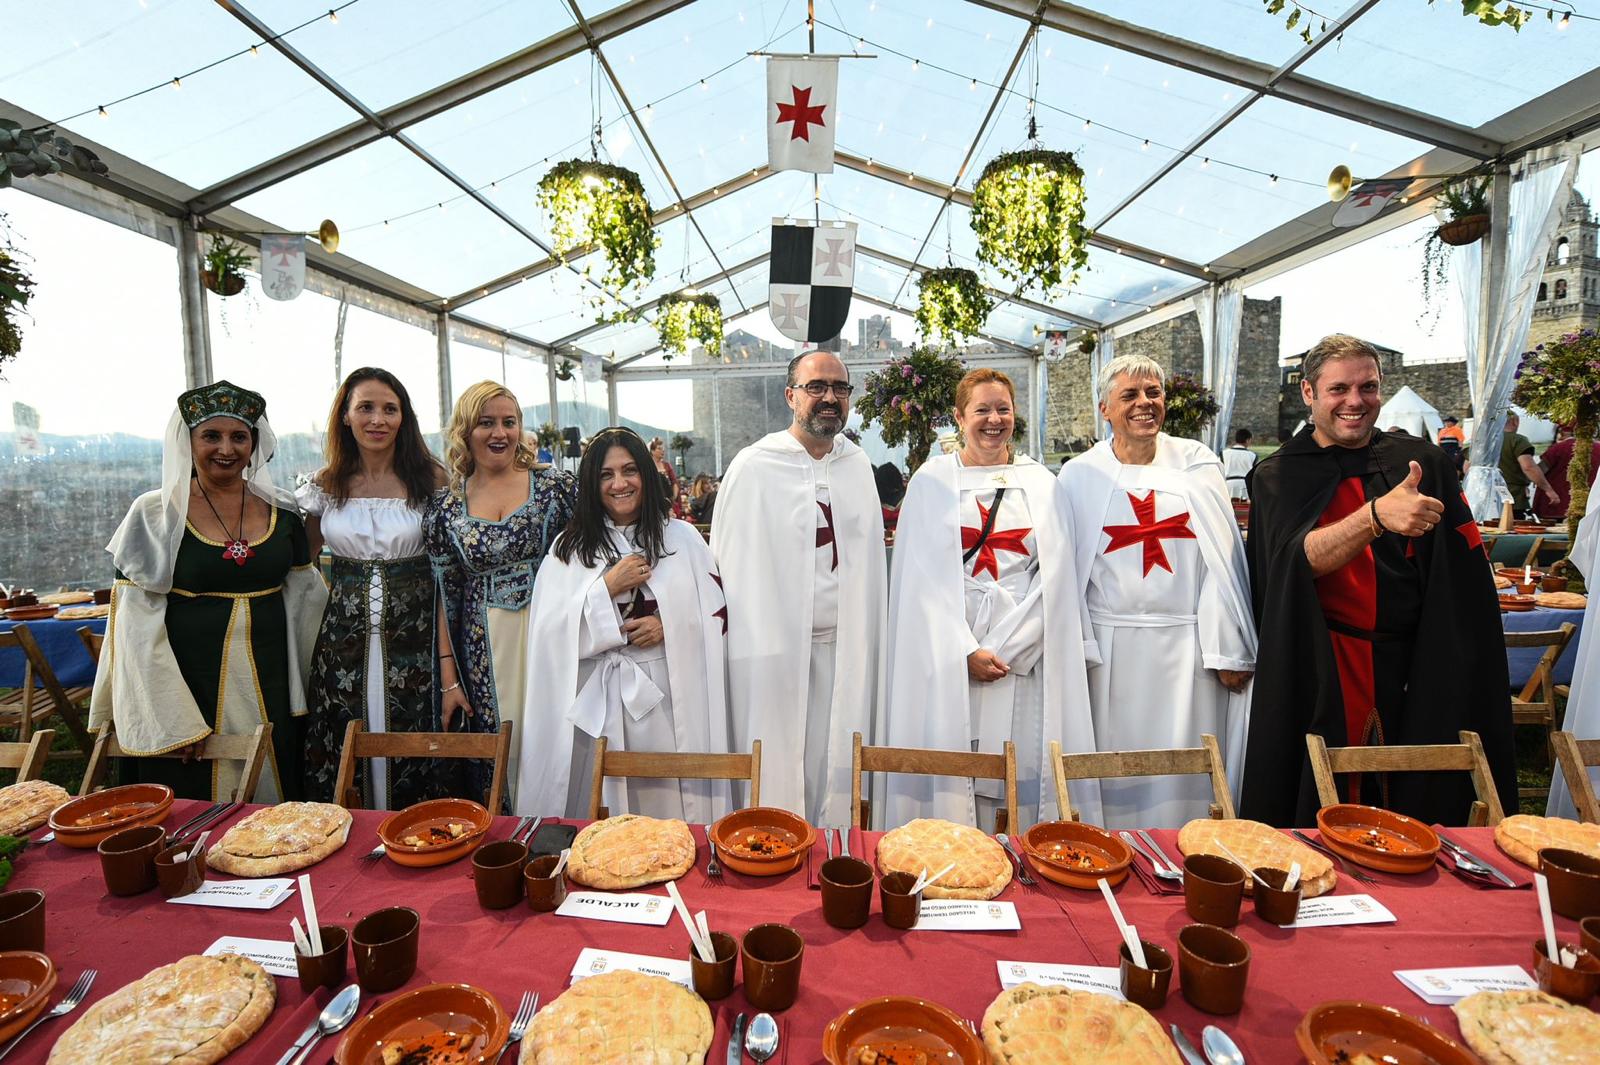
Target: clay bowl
[[435, 813], [26, 980], [428, 1013], [1516, 603], [1574, 882], [1077, 855], [1553, 584], [1514, 574], [1398, 844], [1381, 1032], [904, 1022], [730, 833], [153, 802], [35, 612]]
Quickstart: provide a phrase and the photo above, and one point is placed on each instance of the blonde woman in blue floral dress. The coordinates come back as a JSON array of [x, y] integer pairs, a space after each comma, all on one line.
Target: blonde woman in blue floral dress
[[486, 535]]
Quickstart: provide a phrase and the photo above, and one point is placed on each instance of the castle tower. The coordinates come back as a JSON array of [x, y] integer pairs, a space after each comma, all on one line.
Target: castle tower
[[1569, 291]]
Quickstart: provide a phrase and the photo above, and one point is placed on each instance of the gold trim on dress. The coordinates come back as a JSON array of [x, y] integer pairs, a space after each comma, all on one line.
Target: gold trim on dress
[[272, 524], [227, 595]]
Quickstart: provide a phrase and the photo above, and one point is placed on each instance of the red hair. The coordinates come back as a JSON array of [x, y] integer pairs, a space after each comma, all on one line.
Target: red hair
[[983, 375]]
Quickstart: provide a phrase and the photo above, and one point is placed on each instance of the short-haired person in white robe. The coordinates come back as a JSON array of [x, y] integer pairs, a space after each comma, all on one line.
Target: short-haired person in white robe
[[1163, 574], [626, 642], [985, 629], [798, 537]]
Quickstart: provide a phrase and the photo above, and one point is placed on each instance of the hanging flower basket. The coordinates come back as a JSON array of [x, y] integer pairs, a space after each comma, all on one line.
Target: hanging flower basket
[[1088, 343], [1027, 212], [910, 398], [1190, 406], [680, 317], [564, 369], [952, 303], [224, 265], [1466, 230], [597, 204]]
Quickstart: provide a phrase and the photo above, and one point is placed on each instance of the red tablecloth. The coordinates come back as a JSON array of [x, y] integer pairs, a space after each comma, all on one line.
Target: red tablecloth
[[1442, 921]]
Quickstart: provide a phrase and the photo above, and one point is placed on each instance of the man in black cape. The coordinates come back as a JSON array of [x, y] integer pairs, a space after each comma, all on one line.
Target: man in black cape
[[1375, 605]]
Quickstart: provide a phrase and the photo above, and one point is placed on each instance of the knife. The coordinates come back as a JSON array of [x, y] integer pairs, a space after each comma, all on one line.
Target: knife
[[1186, 1048], [1497, 874], [736, 1042], [299, 1044], [1150, 842]]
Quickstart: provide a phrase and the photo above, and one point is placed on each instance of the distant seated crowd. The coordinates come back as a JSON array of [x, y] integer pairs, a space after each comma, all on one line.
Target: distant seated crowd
[[1112, 606]]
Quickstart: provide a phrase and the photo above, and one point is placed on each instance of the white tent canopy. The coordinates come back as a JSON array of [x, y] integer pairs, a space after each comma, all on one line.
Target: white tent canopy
[[1410, 412]]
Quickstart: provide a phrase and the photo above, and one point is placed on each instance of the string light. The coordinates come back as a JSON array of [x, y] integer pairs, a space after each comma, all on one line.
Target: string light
[[103, 112], [973, 85], [1145, 147], [333, 16], [1566, 20], [1205, 163], [1274, 178], [255, 51], [177, 83]]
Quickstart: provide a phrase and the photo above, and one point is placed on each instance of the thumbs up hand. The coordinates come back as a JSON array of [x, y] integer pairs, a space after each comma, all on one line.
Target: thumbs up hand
[[1405, 510]]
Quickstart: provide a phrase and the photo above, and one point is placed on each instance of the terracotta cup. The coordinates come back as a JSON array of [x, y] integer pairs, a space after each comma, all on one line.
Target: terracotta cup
[[545, 892], [1526, 587], [1577, 983], [385, 945], [900, 908], [1554, 584], [176, 877], [714, 979], [128, 859], [771, 955], [1588, 934], [1146, 986], [846, 892], [1574, 878], [1212, 889], [22, 920], [497, 873], [1273, 904], [1213, 965], [328, 968]]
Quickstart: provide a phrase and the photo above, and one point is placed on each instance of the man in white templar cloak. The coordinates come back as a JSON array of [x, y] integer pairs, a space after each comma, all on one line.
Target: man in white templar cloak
[[798, 539], [1162, 571]]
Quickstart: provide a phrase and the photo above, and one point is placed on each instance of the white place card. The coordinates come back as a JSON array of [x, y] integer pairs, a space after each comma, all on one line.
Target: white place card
[[239, 894], [1097, 978], [967, 915], [275, 956], [1328, 910], [593, 962], [1445, 987], [622, 908]]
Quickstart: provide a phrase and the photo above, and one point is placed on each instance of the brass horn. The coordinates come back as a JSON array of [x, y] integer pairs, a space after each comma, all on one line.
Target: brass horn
[[328, 234], [1339, 182]]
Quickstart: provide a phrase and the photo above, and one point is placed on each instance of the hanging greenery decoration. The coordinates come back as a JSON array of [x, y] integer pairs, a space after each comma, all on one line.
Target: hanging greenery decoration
[[1028, 211], [1087, 343], [952, 303], [680, 317], [1463, 213], [16, 287], [548, 436], [225, 263], [910, 398], [1488, 12], [1190, 406], [591, 203], [564, 369], [40, 153]]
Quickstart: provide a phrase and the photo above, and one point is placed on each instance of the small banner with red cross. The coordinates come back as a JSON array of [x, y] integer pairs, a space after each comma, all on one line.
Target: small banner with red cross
[[802, 112]]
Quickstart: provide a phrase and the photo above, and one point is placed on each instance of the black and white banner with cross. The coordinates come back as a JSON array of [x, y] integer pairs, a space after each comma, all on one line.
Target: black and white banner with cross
[[813, 270]]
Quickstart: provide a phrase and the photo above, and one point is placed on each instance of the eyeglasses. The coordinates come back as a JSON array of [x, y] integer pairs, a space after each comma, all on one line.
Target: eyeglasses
[[818, 389]]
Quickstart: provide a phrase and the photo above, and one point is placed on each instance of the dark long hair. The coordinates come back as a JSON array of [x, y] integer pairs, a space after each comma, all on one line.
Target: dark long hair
[[585, 534], [414, 464]]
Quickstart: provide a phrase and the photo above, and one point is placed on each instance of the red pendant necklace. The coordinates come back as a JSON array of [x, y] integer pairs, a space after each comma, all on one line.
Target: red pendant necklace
[[236, 548]]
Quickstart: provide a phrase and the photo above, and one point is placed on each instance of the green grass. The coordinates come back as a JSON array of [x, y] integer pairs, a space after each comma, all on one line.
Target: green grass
[[1533, 766], [68, 772]]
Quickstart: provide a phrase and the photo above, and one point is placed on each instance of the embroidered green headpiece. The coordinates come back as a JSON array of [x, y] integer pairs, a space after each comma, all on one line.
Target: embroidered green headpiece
[[221, 399]]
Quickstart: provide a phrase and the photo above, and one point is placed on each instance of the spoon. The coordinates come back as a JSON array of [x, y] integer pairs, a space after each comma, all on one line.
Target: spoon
[[338, 1013], [1220, 1050], [761, 1042]]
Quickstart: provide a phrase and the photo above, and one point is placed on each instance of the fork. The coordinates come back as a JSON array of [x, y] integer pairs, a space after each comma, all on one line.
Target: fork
[[1023, 876], [713, 868], [1343, 866], [1466, 862], [519, 1024], [64, 1007]]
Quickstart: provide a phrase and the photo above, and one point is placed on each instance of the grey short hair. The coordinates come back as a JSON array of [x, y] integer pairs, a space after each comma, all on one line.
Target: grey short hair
[[1337, 346], [1134, 366]]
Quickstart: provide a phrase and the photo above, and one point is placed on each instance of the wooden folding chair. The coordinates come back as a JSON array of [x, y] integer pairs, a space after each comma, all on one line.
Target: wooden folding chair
[[931, 763], [663, 765], [359, 743], [23, 710], [252, 749], [1575, 756], [1536, 703], [1179, 761], [1466, 756], [27, 758], [92, 642]]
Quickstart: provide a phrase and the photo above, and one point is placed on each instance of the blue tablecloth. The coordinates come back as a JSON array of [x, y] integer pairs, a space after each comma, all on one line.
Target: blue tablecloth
[[1522, 660], [63, 649]]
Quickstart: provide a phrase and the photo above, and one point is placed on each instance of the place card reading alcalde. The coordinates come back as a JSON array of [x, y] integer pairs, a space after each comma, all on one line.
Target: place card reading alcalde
[[622, 908], [593, 962], [275, 956], [239, 894], [1328, 910], [1100, 979], [1445, 987], [967, 915]]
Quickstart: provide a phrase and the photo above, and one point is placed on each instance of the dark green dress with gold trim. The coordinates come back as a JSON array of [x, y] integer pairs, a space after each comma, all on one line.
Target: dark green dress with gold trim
[[205, 587]]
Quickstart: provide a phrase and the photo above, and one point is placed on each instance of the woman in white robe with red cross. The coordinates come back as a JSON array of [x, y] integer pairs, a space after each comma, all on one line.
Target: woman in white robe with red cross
[[985, 631]]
